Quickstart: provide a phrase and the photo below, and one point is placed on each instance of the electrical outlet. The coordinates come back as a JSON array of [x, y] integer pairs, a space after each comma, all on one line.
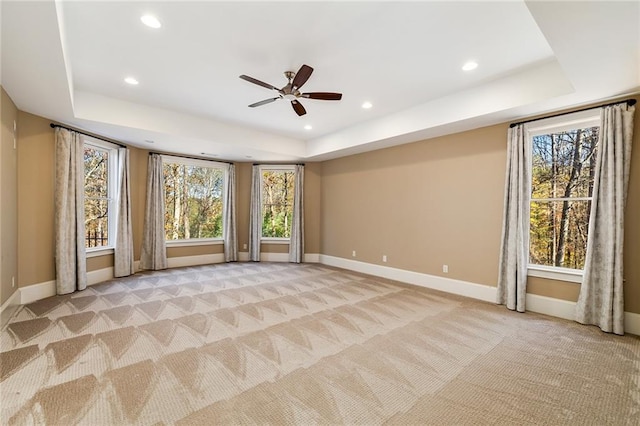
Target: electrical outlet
[[445, 269], [353, 253], [384, 258], [244, 246], [13, 282]]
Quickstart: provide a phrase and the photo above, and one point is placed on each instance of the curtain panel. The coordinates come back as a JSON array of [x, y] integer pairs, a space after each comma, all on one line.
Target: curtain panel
[[512, 276], [71, 265], [255, 220], [123, 252], [154, 252], [296, 246], [229, 229], [601, 300]]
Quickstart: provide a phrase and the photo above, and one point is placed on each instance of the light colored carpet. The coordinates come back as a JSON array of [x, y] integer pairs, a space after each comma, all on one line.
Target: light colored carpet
[[274, 343]]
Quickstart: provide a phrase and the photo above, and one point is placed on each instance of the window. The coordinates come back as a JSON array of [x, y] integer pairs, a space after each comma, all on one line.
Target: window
[[562, 174], [277, 201], [100, 193], [193, 199]]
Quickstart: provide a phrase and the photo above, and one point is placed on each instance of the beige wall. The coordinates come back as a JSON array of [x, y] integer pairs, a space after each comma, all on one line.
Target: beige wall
[[8, 199], [439, 202], [35, 200], [35, 241], [422, 205]]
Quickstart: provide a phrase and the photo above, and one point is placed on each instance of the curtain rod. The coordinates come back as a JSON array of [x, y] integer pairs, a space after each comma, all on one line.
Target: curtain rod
[[53, 126], [629, 102], [278, 164], [191, 158]]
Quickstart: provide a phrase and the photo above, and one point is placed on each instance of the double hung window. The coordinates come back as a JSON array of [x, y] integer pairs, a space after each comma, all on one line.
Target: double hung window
[[100, 193], [563, 156], [277, 186]]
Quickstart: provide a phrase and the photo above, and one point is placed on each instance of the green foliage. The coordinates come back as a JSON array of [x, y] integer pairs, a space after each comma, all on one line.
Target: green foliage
[[193, 201], [561, 187], [277, 203]]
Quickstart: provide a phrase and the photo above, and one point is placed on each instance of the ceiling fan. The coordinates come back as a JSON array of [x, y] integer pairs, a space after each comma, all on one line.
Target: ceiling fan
[[291, 91]]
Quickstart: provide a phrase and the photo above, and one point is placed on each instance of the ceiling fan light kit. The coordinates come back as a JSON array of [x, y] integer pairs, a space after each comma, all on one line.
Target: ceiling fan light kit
[[291, 91]]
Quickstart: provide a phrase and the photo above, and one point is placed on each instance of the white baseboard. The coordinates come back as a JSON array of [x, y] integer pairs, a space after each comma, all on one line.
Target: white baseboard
[[243, 256], [203, 259], [8, 308], [34, 292], [535, 303], [463, 288], [632, 323]]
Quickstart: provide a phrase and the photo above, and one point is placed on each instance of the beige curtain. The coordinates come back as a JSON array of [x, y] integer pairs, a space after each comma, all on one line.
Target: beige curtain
[[512, 276], [123, 253], [255, 220], [229, 227], [71, 265], [296, 246], [154, 252], [601, 300]]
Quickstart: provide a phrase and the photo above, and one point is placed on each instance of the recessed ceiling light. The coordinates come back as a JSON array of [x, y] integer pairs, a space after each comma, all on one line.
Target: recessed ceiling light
[[130, 80], [150, 21], [471, 65], [367, 105], [308, 127]]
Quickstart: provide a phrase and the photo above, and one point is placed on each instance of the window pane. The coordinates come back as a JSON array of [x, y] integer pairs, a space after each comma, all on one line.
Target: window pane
[[96, 162], [96, 222], [558, 233], [563, 163], [193, 201], [277, 203]]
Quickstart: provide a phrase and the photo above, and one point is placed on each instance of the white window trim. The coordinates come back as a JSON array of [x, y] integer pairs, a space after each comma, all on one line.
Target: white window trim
[[194, 242], [279, 167], [582, 119], [98, 251], [275, 240], [211, 165], [555, 273], [112, 193]]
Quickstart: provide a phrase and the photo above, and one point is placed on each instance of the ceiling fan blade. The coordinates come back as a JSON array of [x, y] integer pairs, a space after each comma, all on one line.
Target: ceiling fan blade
[[258, 82], [325, 96], [302, 76], [298, 108], [266, 101]]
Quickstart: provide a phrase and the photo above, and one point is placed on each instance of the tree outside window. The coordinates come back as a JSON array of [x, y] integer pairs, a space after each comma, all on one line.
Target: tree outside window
[[277, 203], [562, 175], [193, 201], [99, 181]]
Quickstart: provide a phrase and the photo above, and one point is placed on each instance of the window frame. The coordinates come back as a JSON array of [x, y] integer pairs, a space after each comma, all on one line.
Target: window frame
[[572, 121], [171, 159], [113, 186], [266, 167]]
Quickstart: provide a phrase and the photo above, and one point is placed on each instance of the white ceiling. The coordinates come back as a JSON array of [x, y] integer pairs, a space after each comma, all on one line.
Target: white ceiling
[[66, 60]]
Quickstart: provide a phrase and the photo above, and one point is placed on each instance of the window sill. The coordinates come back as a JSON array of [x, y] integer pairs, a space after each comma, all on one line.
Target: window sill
[[194, 242], [268, 240], [552, 273], [98, 251]]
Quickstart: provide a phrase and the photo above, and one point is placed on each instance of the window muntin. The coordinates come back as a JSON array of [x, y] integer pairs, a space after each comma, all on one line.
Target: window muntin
[[194, 194], [100, 193], [562, 174], [277, 186]]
